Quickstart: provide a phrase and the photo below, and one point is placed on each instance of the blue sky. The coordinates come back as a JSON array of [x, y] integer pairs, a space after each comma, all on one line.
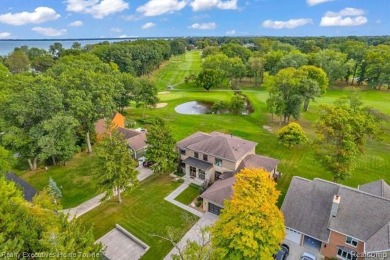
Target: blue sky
[[24, 19]]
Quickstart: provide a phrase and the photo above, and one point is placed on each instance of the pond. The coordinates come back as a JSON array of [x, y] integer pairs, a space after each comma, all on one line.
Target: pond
[[193, 108]]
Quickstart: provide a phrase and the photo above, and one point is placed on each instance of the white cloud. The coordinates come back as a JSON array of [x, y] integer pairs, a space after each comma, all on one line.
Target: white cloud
[[231, 32], [48, 31], [40, 15], [116, 29], [316, 2], [348, 11], [203, 26], [159, 7], [199, 5], [4, 35], [290, 24], [76, 23], [346, 17], [97, 8], [148, 26]]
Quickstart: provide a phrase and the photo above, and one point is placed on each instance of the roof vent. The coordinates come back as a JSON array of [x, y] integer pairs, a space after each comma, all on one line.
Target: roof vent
[[335, 205]]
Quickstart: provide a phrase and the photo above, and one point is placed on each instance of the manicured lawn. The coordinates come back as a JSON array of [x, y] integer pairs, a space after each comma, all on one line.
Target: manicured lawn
[[176, 69], [144, 212], [77, 179], [188, 195]]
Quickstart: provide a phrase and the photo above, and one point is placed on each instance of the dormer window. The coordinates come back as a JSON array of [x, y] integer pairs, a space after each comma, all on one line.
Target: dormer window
[[196, 155]]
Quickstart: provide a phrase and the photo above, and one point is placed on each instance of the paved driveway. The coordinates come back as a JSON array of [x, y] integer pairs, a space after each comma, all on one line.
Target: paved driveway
[[296, 251], [194, 234]]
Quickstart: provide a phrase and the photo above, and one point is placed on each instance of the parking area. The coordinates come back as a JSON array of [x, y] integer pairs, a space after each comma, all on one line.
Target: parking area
[[296, 251]]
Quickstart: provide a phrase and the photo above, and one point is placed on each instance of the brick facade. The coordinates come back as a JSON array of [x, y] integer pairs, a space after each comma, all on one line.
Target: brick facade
[[339, 240]]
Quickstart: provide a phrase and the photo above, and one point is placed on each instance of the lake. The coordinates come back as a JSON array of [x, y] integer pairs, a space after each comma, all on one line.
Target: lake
[[7, 46]]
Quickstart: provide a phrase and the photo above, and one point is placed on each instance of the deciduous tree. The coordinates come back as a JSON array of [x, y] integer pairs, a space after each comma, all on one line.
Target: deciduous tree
[[117, 166], [250, 226], [342, 132], [161, 147], [36, 227]]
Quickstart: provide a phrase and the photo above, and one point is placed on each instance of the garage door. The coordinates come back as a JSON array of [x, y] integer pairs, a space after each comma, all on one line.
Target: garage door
[[214, 209], [293, 236]]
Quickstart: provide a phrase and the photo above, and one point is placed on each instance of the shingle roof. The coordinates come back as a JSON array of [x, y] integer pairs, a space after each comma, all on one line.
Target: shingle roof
[[379, 188], [28, 191], [194, 138], [220, 145], [307, 208], [135, 139], [259, 161], [198, 163], [220, 191]]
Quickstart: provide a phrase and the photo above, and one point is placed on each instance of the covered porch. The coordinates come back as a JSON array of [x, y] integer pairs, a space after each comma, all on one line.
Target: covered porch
[[197, 171]]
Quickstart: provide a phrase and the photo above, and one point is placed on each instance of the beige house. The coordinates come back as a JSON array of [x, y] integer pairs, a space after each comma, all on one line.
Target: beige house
[[339, 221], [213, 159]]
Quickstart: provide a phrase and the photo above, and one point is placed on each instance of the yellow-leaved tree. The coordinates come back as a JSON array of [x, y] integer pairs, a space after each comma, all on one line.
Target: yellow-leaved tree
[[250, 226]]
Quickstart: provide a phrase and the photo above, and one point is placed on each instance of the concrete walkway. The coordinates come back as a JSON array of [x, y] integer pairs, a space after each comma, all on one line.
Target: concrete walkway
[[194, 234], [171, 198], [96, 201]]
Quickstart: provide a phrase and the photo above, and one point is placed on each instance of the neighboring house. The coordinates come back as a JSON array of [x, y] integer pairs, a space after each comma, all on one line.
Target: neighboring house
[[214, 159], [336, 220], [135, 138], [28, 191]]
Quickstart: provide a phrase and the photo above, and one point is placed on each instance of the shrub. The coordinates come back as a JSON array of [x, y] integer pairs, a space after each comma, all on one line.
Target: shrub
[[292, 134]]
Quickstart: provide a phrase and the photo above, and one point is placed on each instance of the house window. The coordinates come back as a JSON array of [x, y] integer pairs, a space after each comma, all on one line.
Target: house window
[[346, 254], [182, 151], [192, 172], [205, 157], [217, 174], [202, 174], [351, 241], [218, 162], [196, 155]]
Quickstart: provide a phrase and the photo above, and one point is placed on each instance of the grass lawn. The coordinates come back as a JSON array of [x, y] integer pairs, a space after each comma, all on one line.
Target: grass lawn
[[144, 212], [176, 69], [188, 195], [77, 179]]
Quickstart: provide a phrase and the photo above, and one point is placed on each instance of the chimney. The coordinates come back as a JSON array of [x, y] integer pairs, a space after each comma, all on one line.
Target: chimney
[[335, 205]]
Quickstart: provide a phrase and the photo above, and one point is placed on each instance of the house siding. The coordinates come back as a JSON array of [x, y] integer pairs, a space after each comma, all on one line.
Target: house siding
[[337, 240]]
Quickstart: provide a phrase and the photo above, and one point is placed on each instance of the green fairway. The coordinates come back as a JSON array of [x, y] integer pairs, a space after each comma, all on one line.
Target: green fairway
[[144, 213], [77, 179], [178, 67], [188, 195]]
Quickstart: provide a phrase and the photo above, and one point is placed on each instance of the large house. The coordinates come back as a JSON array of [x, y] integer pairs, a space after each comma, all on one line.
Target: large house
[[336, 220], [135, 138], [214, 159]]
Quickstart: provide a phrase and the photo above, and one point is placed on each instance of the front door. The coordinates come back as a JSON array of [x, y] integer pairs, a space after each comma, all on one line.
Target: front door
[[214, 209], [192, 172]]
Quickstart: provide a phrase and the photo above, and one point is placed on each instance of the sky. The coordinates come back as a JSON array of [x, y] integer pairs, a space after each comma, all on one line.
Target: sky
[[72, 19]]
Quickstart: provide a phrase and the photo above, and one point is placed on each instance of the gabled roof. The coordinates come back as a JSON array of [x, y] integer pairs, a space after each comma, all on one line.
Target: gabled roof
[[118, 120], [135, 139], [379, 188], [258, 161], [220, 191], [28, 191], [220, 145], [307, 208]]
